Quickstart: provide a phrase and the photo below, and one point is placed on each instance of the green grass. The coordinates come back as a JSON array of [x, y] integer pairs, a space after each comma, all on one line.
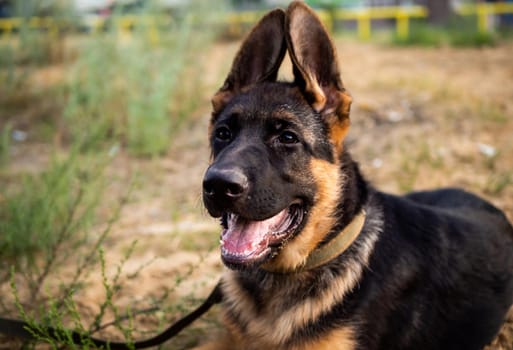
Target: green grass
[[423, 158], [133, 92], [491, 112], [460, 32], [5, 144], [47, 210], [498, 182]]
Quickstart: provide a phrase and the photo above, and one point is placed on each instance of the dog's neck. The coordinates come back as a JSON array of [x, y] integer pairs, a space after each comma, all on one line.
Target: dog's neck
[[335, 246]]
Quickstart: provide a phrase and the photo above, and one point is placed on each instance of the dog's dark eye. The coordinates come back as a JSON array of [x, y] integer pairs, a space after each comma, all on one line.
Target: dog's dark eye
[[223, 134], [288, 137]]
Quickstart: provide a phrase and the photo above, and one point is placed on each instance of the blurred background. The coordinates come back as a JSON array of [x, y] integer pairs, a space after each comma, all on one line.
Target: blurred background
[[104, 109]]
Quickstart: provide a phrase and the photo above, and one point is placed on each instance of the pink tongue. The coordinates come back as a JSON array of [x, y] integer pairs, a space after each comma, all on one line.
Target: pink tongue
[[245, 238]]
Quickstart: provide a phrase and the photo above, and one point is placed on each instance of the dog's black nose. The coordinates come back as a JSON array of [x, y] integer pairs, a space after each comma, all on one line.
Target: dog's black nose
[[224, 183]]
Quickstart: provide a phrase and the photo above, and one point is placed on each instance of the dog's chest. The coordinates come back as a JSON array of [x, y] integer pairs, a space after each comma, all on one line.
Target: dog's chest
[[283, 317]]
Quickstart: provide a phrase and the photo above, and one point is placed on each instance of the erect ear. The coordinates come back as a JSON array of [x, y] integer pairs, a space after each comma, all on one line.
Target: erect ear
[[314, 61], [258, 59]]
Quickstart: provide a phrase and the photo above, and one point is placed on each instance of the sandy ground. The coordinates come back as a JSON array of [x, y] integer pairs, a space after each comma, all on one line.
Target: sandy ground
[[422, 118]]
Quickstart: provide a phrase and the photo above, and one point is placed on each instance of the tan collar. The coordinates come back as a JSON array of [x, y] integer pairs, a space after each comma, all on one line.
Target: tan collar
[[333, 248], [337, 245]]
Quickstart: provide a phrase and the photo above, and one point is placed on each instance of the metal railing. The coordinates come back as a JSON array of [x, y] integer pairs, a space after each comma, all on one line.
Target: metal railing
[[237, 20], [483, 10], [364, 17]]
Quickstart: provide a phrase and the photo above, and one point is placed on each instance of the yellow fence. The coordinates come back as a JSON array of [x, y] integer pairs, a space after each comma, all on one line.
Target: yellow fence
[[124, 25], [483, 11], [8, 25], [237, 20], [364, 17]]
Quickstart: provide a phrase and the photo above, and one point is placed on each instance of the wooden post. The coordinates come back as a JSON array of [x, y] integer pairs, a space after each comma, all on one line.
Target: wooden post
[[482, 17], [402, 25], [327, 19], [364, 26]]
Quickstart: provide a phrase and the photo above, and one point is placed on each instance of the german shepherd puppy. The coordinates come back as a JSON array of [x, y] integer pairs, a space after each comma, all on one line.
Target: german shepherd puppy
[[316, 257]]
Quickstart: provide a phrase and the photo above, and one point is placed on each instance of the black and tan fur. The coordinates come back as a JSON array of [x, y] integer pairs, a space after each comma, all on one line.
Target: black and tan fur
[[429, 270]]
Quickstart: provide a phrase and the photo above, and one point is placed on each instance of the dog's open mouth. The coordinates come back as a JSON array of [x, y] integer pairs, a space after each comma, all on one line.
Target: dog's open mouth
[[245, 242]]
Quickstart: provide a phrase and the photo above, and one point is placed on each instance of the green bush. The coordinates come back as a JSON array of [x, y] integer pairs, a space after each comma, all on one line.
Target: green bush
[[423, 35], [5, 144], [136, 90], [47, 210], [471, 39], [460, 32]]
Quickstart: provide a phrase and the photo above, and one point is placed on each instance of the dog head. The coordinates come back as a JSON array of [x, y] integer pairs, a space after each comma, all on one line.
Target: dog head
[[275, 176]]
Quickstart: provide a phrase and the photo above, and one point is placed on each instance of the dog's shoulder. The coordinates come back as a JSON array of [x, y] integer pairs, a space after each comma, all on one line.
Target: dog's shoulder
[[451, 209], [454, 198]]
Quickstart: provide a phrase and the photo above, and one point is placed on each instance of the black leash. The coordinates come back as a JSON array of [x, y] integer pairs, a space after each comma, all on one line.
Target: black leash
[[21, 329]]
